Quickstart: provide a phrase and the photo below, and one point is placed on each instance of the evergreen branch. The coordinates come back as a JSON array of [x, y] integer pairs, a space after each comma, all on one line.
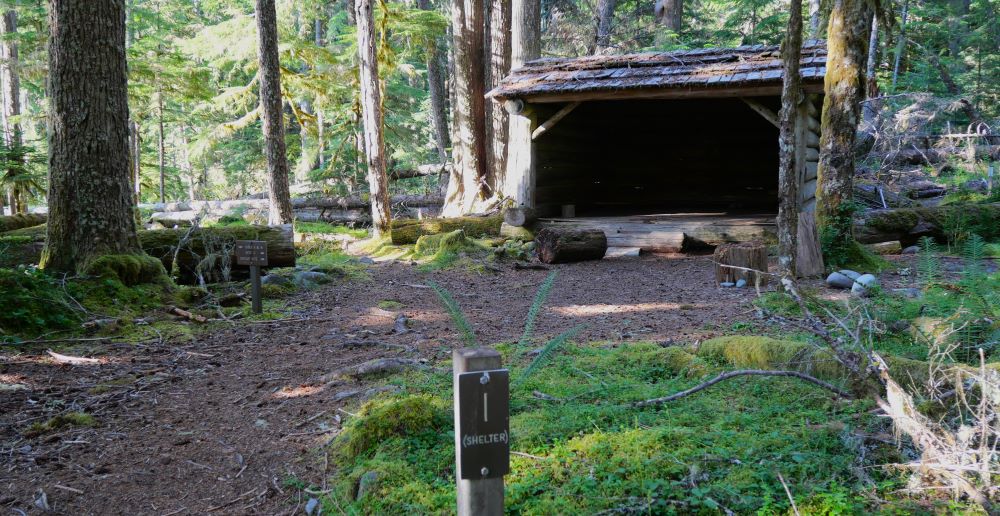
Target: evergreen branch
[[455, 312], [547, 351], [536, 308]]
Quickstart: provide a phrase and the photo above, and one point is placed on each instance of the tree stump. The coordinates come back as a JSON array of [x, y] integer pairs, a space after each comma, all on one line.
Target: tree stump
[[564, 245], [519, 216], [742, 259]]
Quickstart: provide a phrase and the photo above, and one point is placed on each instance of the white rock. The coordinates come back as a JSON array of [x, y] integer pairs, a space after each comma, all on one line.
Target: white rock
[[863, 285], [850, 274], [838, 280]]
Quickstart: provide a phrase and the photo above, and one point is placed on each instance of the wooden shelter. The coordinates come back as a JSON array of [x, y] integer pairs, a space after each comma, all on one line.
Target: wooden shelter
[[661, 150]]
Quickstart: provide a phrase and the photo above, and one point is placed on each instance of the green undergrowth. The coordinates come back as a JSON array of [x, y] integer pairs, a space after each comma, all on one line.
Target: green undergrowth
[[328, 257], [582, 448], [325, 228], [60, 422]]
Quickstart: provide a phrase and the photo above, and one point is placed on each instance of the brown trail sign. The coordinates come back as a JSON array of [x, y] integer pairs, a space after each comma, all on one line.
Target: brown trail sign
[[254, 254]]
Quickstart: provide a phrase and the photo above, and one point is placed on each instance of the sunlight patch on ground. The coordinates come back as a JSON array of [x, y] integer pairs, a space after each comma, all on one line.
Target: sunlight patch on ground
[[299, 391], [603, 309]]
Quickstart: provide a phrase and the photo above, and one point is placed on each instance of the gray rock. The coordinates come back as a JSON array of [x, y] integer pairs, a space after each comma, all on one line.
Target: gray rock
[[727, 284], [311, 506], [274, 279], [909, 293], [913, 249], [976, 185], [366, 483], [366, 260], [850, 274], [741, 283], [308, 278], [838, 280], [863, 286]]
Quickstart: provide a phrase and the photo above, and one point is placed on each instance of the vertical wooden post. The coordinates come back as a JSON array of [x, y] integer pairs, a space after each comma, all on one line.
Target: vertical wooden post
[[255, 303], [476, 497]]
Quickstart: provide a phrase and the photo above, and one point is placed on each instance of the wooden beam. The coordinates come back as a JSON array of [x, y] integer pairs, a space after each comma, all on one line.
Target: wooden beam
[[551, 122], [763, 111], [662, 93]]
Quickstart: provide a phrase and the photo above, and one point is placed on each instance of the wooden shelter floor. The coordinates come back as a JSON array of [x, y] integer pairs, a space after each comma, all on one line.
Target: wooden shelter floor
[[673, 232]]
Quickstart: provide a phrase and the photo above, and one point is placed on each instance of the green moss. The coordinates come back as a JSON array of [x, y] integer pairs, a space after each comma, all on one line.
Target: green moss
[[325, 228], [383, 419], [444, 249], [407, 231], [272, 291], [33, 302], [20, 220], [59, 422], [389, 304], [191, 295], [753, 352], [130, 269]]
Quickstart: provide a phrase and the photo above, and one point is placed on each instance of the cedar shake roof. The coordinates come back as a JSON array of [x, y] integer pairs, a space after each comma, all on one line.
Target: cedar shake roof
[[709, 72]]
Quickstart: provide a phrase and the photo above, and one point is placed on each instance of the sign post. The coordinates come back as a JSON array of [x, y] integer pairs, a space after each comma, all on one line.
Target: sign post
[[482, 430], [254, 254]]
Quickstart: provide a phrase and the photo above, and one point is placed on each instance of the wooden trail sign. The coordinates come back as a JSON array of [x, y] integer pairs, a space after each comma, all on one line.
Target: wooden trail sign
[[254, 254], [482, 430]]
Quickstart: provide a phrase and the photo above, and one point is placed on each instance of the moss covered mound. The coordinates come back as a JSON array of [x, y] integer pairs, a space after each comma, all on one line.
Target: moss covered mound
[[408, 231], [130, 269], [59, 422], [32, 302], [385, 419], [753, 352]]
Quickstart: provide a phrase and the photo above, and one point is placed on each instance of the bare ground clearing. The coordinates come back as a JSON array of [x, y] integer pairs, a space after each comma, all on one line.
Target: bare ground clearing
[[221, 423]]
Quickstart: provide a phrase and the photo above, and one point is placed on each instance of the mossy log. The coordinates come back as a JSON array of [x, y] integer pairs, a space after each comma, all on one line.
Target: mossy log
[[20, 220], [407, 231], [204, 246], [564, 245], [908, 225]]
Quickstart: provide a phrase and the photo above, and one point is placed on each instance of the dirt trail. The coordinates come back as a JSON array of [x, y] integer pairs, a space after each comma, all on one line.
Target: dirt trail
[[220, 424]]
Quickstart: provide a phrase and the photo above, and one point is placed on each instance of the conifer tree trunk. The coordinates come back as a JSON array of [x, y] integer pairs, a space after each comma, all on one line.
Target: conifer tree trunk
[[280, 211], [371, 110], [498, 51], [90, 202], [437, 90], [669, 16], [468, 185], [788, 184], [844, 87], [526, 44], [12, 100], [161, 151], [814, 6], [605, 20]]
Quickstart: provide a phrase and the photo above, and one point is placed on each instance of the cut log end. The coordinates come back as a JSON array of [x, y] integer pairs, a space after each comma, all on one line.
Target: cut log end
[[564, 245], [745, 260]]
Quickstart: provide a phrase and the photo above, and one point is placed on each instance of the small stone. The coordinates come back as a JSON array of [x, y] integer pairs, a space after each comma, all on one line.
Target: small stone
[[260, 423], [909, 293], [850, 274], [913, 249], [366, 483], [740, 283], [311, 506], [727, 284], [366, 260], [863, 286], [838, 280], [274, 279], [307, 278]]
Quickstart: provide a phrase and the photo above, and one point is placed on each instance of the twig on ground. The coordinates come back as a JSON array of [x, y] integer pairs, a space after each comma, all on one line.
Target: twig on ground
[[66, 359], [788, 492], [743, 372]]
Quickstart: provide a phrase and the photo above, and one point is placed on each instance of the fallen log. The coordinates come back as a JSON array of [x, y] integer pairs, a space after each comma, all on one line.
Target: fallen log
[[564, 245], [205, 250], [519, 216], [930, 156], [908, 225], [407, 231], [20, 220]]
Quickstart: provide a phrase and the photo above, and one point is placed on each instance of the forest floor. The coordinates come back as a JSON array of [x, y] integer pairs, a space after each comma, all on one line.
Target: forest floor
[[231, 421]]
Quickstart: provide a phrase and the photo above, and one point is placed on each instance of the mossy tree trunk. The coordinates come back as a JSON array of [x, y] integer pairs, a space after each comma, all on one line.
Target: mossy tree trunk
[[90, 198], [12, 104], [788, 177], [270, 111], [371, 111], [847, 51]]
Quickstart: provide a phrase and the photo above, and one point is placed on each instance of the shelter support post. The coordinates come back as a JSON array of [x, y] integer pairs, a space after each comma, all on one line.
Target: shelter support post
[[521, 173]]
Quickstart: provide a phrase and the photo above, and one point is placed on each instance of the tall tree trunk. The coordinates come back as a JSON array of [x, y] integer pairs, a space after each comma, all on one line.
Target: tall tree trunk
[[869, 109], [900, 44], [498, 50], [437, 91], [605, 20], [320, 119], [161, 150], [280, 211], [526, 44], [844, 87], [788, 176], [669, 16], [90, 202], [468, 186], [814, 15], [371, 109], [12, 103], [136, 159]]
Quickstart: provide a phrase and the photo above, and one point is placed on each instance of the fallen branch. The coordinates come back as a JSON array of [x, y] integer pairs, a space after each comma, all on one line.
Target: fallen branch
[[187, 315], [743, 372], [66, 359]]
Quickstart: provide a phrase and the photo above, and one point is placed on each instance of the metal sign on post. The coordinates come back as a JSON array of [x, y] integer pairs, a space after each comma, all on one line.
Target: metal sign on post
[[482, 430], [254, 254]]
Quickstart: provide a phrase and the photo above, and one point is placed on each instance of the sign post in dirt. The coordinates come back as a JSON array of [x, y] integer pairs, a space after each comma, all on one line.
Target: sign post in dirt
[[482, 430], [254, 254]]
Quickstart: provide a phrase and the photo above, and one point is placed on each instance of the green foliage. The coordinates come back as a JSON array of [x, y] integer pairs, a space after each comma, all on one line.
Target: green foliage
[[455, 312], [536, 308], [59, 422], [928, 264], [840, 249], [33, 302], [325, 228]]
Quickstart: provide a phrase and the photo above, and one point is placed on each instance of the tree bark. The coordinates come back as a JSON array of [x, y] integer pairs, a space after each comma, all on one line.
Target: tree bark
[[847, 45], [565, 245], [135, 155], [900, 44], [788, 176], [669, 16], [437, 91], [468, 186], [869, 109], [605, 20], [161, 153], [498, 50], [270, 108], [526, 44], [90, 200], [12, 103], [371, 109], [814, 15]]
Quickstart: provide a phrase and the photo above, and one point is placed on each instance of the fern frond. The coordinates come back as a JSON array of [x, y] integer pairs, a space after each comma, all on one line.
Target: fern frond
[[536, 308], [928, 264], [455, 312], [547, 351], [974, 252]]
